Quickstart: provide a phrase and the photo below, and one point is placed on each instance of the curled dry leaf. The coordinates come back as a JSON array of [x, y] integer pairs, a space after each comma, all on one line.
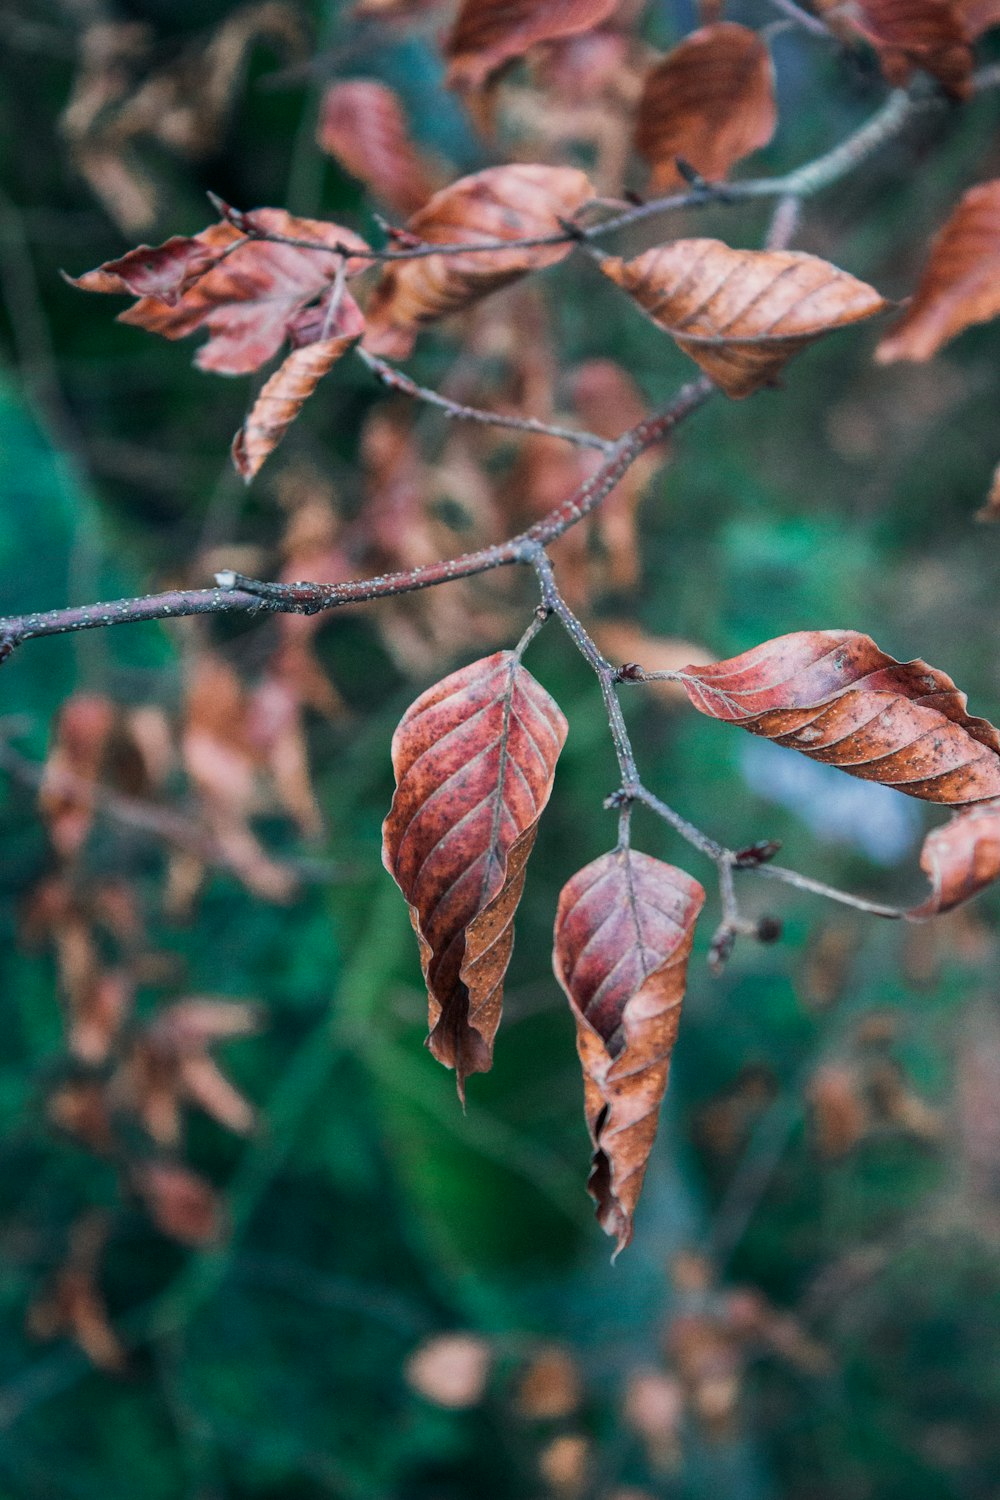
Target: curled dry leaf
[[249, 293], [514, 202], [911, 34], [363, 127], [960, 284], [474, 758], [290, 387], [710, 101], [489, 33], [833, 695], [961, 858], [623, 937], [742, 314]]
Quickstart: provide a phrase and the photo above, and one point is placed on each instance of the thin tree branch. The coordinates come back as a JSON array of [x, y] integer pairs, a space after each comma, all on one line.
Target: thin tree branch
[[396, 380]]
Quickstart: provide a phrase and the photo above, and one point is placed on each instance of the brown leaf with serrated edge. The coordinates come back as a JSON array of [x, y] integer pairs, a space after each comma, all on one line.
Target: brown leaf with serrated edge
[[289, 388], [623, 937], [710, 101], [489, 33], [474, 759], [363, 127], [834, 696], [911, 34], [961, 858], [520, 201], [249, 299], [742, 314], [960, 284]]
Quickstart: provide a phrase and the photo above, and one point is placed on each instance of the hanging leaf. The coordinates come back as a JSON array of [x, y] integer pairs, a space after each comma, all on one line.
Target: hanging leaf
[[489, 33], [501, 203], [710, 101], [623, 937], [742, 314], [833, 695], [248, 298], [474, 759], [961, 281], [290, 387], [911, 34], [961, 859], [363, 127]]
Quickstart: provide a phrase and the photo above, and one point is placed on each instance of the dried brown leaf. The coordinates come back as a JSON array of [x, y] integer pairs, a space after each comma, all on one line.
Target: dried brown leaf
[[182, 1205], [289, 388], [66, 797], [489, 33], [474, 758], [742, 314], [960, 284], [363, 127], [514, 202], [710, 101], [911, 34], [834, 696], [623, 936], [961, 858]]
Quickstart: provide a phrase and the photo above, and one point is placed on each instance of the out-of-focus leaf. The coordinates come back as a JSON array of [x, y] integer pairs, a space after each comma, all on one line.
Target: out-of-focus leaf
[[363, 127], [474, 759], [489, 33], [623, 935], [911, 34], [742, 314], [710, 101], [960, 284], [961, 859]]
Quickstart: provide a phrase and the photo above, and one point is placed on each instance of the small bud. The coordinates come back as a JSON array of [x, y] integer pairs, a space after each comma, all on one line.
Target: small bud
[[756, 854], [769, 929], [630, 671]]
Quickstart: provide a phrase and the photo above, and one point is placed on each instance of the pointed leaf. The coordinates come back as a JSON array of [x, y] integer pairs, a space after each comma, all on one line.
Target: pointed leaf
[[709, 101], [288, 389], [742, 314], [961, 281], [501, 203], [489, 33], [363, 127], [623, 937], [474, 759], [833, 695]]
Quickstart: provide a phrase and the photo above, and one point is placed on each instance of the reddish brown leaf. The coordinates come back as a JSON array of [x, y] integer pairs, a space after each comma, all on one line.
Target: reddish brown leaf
[[249, 301], [912, 34], [978, 16], [181, 1204], [162, 271], [836, 697], [290, 387], [474, 759], [80, 745], [489, 33], [501, 203], [960, 284], [709, 101], [73, 1303], [363, 127], [623, 936], [961, 859], [742, 314]]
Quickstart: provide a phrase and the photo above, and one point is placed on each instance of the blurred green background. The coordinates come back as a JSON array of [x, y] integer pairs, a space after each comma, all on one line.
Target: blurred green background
[[824, 1308]]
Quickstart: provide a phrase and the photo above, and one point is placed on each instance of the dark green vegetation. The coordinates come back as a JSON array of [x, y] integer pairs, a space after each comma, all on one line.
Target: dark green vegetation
[[367, 1213]]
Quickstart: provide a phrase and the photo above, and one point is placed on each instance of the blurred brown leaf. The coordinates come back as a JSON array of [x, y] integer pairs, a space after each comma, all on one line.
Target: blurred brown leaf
[[489, 33], [451, 1370], [363, 127]]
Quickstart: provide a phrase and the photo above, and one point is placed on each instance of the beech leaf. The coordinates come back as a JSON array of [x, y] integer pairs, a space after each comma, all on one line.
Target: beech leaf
[[961, 858], [833, 695], [474, 758], [363, 127], [514, 202], [285, 394], [623, 935], [710, 101], [909, 34], [960, 284], [742, 314], [248, 298], [489, 33]]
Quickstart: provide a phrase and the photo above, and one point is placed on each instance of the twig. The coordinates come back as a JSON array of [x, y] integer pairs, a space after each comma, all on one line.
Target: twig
[[396, 380]]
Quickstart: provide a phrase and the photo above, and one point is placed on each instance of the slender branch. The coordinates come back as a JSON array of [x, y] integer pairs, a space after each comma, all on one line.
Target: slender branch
[[236, 594], [804, 18], [396, 380]]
